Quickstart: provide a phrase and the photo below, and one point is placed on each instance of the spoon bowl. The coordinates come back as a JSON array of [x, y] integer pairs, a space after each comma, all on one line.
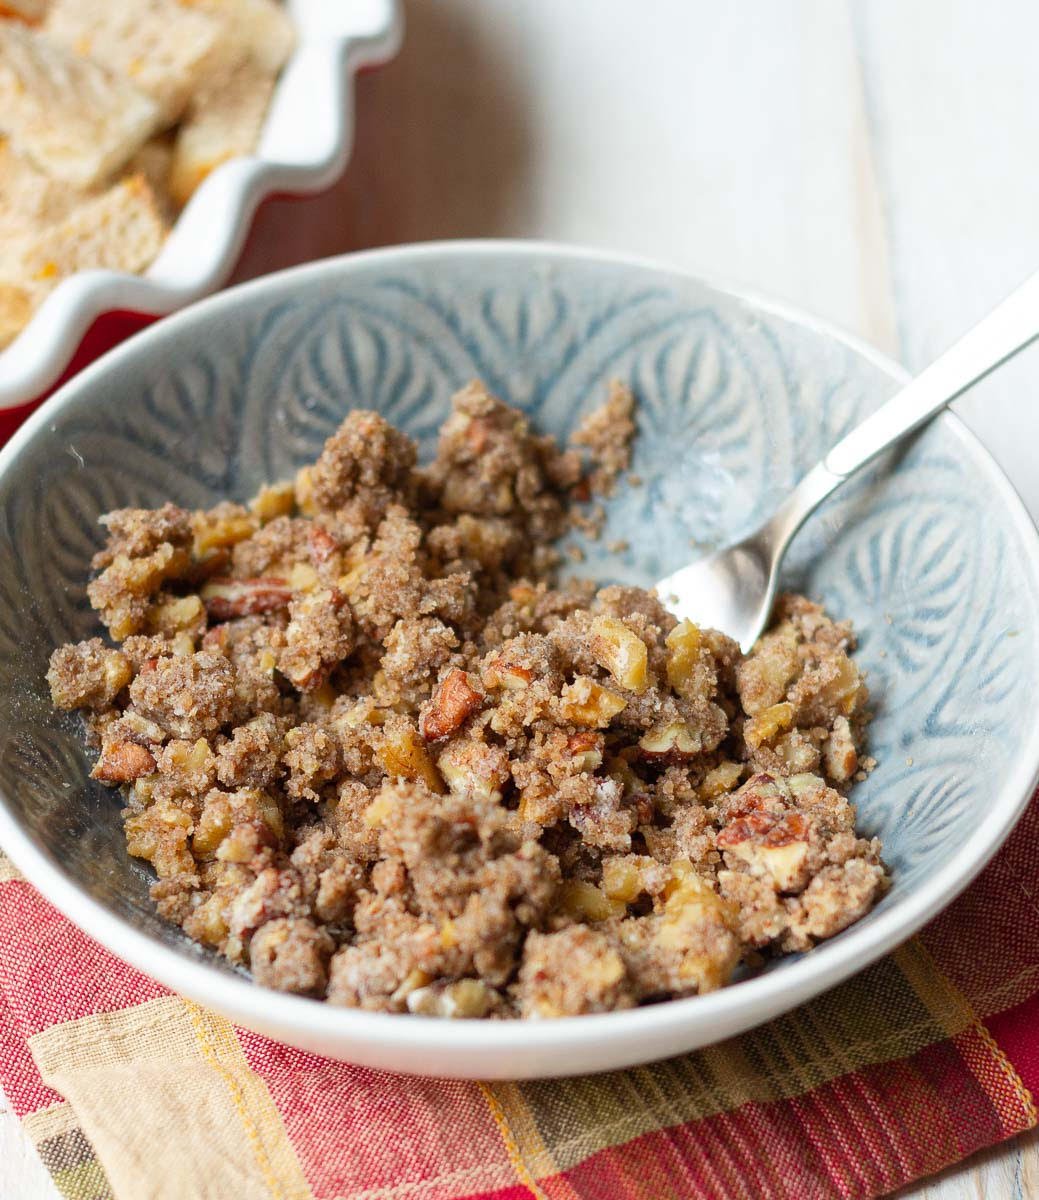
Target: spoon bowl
[[732, 590], [735, 588]]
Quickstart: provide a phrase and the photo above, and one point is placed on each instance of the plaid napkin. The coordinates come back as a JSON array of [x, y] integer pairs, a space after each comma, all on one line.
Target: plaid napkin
[[129, 1091]]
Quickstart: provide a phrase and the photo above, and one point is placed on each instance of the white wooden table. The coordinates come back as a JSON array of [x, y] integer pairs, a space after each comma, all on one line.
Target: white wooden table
[[872, 162]]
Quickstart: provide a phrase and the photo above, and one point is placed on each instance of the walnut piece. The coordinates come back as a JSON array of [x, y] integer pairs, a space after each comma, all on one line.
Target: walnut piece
[[621, 652], [765, 724], [122, 762], [586, 702]]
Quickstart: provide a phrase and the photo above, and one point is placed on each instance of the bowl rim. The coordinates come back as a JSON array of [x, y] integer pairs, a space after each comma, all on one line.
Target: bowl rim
[[206, 240], [729, 1010]]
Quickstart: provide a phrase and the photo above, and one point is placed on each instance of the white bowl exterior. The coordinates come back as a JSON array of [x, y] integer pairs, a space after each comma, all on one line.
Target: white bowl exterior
[[305, 145], [529, 1049]]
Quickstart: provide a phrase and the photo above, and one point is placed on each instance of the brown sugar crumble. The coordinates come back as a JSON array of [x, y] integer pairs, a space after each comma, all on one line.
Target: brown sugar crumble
[[607, 432], [376, 754]]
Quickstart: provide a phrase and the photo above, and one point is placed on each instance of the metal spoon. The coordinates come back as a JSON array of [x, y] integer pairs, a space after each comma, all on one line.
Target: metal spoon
[[734, 589]]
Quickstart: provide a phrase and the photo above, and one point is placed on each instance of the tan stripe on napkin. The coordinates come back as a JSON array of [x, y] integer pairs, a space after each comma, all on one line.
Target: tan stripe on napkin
[[8, 870], [936, 991], [165, 1096], [523, 1140]]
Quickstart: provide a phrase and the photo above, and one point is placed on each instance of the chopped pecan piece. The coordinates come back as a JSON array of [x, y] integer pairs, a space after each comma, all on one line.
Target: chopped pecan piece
[[675, 742], [215, 639], [585, 748], [402, 755], [764, 829], [227, 598], [321, 545], [452, 704], [500, 672]]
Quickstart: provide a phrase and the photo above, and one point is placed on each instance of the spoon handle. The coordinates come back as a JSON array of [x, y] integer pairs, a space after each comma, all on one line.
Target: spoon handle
[[1007, 329], [1010, 327]]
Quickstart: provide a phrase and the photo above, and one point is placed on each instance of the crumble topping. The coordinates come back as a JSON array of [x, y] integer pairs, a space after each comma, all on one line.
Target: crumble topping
[[377, 754]]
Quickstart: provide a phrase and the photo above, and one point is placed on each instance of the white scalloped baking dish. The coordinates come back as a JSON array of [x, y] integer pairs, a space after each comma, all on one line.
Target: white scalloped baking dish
[[304, 148]]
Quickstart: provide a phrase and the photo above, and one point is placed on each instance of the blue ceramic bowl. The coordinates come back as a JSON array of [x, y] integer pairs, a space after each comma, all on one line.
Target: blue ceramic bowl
[[932, 556]]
